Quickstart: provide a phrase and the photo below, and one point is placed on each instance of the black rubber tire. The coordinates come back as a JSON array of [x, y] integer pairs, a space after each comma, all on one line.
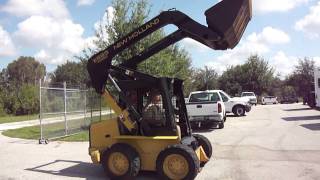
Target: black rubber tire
[[221, 125], [132, 156], [225, 118], [211, 125], [235, 112], [183, 150], [206, 145]]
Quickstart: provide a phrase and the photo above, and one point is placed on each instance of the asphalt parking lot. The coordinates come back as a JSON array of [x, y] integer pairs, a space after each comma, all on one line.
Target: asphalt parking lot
[[271, 142]]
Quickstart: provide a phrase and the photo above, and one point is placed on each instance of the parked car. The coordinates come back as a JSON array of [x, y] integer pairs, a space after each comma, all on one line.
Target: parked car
[[252, 98], [269, 100], [206, 108], [289, 99]]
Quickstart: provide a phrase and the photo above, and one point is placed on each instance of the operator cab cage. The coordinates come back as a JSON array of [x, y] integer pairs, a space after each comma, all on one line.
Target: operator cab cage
[[226, 21]]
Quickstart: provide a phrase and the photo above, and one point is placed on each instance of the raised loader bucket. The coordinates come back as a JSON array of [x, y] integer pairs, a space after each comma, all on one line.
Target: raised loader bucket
[[229, 18]]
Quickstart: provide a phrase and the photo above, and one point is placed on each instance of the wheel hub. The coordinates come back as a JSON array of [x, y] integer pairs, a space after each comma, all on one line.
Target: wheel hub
[[239, 111], [118, 163], [176, 166]]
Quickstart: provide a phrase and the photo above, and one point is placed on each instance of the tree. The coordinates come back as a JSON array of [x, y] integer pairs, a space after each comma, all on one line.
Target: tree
[[254, 75], [288, 91], [25, 70], [231, 81], [129, 15], [302, 77], [18, 86], [72, 73], [205, 79]]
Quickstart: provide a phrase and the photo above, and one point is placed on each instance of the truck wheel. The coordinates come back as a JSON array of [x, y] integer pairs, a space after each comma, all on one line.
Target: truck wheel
[[221, 125], [121, 161], [206, 145], [178, 161], [239, 110]]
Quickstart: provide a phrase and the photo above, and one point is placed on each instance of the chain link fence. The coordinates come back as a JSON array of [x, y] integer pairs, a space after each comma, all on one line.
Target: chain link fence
[[67, 109]]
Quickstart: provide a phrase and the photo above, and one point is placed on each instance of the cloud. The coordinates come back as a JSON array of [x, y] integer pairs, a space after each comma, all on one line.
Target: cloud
[[58, 39], [255, 43], [191, 44], [310, 24], [317, 61], [23, 8], [7, 47], [85, 2], [283, 63], [270, 35], [266, 6], [106, 20]]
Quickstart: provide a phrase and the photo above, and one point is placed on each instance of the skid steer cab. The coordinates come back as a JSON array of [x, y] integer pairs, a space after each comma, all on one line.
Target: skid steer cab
[[151, 131]]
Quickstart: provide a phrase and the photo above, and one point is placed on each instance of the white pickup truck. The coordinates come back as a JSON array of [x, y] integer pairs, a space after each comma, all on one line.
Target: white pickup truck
[[236, 105], [205, 108], [252, 98], [211, 106]]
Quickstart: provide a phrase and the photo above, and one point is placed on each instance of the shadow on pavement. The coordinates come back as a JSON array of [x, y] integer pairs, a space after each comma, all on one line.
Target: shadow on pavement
[[299, 109], [80, 169], [313, 127], [232, 115], [301, 118], [203, 129]]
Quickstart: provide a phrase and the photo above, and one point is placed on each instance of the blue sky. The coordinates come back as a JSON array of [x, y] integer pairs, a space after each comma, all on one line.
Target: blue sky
[[282, 31]]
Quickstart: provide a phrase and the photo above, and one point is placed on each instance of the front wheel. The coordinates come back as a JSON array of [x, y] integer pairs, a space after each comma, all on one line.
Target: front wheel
[[206, 145], [178, 161], [239, 111], [221, 125]]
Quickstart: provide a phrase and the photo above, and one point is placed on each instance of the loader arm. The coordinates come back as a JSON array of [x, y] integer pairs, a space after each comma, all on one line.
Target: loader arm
[[226, 21]]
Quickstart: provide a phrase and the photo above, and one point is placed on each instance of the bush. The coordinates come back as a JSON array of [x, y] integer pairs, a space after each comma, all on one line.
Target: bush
[[2, 111]]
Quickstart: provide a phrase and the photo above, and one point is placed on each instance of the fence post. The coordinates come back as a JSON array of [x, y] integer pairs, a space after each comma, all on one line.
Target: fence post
[[65, 108], [40, 111], [85, 106]]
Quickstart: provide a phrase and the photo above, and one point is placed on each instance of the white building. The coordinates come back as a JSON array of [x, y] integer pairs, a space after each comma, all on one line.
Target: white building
[[317, 86]]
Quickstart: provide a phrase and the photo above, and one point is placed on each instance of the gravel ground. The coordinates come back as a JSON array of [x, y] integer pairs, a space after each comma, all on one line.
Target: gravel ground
[[271, 142]]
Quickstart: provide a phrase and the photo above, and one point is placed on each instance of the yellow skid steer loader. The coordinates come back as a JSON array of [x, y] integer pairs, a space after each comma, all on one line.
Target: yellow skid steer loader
[[152, 131]]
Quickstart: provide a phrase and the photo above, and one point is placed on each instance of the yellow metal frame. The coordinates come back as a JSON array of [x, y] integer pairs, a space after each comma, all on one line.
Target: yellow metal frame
[[106, 133], [123, 114]]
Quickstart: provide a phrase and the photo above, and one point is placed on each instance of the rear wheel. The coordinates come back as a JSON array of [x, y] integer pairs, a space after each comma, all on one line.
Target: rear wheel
[[178, 161], [121, 161], [206, 145]]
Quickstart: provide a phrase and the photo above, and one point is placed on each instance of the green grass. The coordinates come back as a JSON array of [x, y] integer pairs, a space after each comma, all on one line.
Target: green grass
[[32, 132], [8, 119], [79, 129], [79, 137]]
